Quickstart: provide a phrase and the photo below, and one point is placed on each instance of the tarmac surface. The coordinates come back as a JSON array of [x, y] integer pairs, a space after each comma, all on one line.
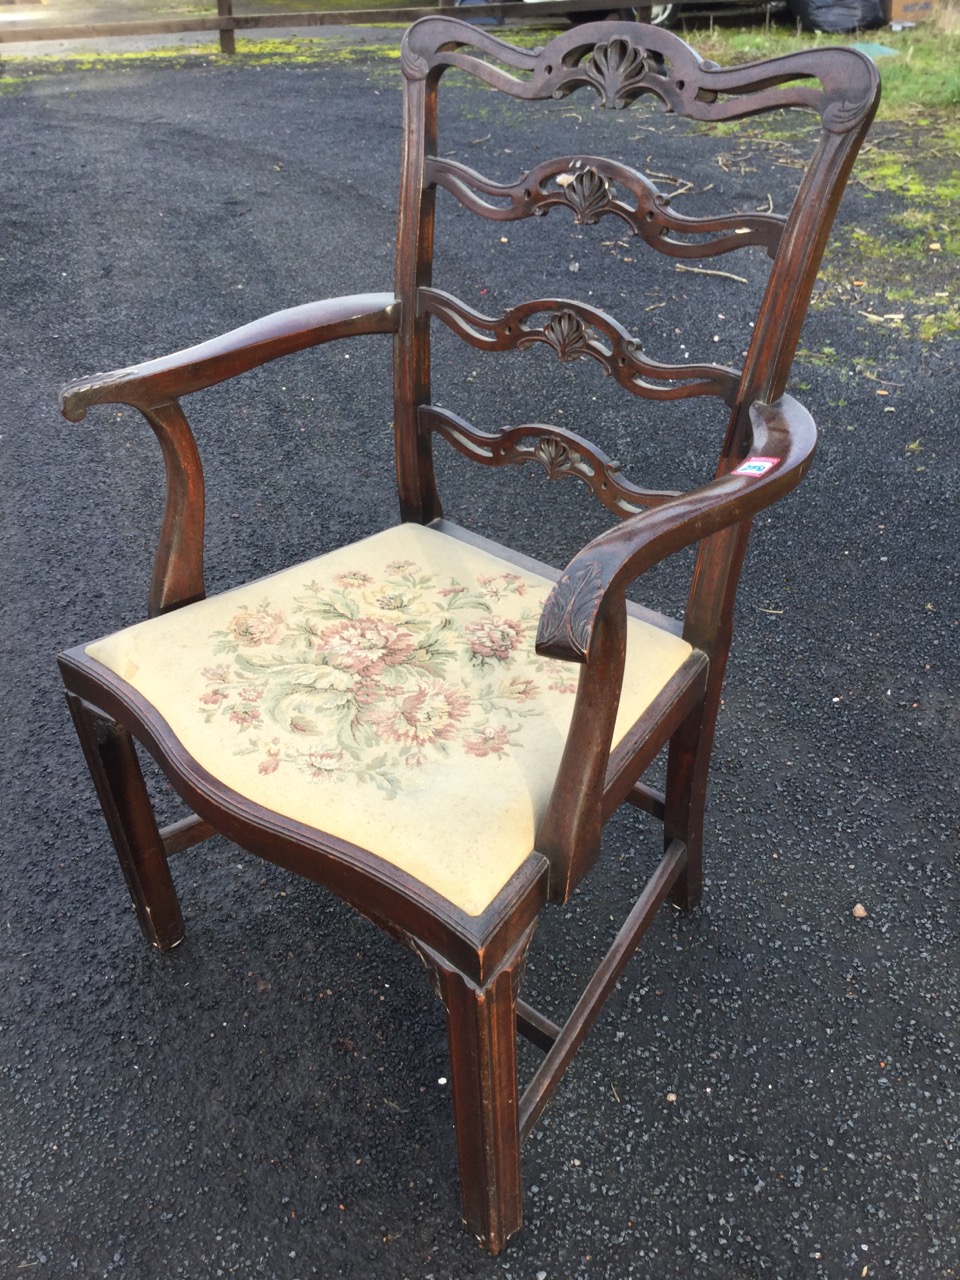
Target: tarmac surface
[[774, 1089]]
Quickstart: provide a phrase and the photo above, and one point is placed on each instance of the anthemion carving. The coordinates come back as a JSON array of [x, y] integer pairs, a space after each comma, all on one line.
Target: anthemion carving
[[556, 457], [616, 70], [567, 334], [588, 195]]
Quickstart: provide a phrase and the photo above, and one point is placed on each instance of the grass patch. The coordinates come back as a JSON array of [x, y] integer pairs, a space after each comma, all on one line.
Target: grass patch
[[924, 74]]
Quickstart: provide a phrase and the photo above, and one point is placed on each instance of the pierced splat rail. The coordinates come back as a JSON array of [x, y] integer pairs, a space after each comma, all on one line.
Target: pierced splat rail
[[623, 61], [560, 453], [591, 193], [572, 330]]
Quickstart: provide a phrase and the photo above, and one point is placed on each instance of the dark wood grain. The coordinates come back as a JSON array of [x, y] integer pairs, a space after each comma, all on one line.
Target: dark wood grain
[[158, 382]]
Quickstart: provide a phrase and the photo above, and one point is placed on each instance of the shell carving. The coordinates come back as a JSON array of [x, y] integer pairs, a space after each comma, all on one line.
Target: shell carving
[[555, 457], [617, 71], [588, 195], [567, 334]]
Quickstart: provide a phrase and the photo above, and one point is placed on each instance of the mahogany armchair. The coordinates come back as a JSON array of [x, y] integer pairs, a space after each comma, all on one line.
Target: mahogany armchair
[[431, 725]]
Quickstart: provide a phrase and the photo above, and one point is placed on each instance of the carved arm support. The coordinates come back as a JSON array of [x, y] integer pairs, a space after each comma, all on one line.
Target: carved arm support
[[153, 388], [784, 438], [584, 618]]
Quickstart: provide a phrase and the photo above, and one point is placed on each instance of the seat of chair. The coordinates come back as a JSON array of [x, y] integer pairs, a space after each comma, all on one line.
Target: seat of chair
[[387, 693]]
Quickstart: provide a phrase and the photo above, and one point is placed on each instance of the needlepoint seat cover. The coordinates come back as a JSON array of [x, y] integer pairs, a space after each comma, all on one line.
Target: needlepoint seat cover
[[378, 690], [433, 727]]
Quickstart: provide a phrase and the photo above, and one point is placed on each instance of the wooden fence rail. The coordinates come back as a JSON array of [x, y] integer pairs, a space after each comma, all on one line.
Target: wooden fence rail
[[226, 22]]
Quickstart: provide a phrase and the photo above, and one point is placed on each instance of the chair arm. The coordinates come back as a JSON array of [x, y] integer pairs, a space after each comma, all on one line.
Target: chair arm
[[158, 382], [784, 435]]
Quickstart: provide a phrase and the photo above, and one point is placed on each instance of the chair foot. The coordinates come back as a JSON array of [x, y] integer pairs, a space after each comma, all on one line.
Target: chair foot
[[115, 769], [688, 887], [482, 1033], [685, 798]]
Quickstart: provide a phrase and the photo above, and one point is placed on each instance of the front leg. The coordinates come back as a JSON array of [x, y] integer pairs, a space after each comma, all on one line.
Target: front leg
[[482, 1035], [115, 769]]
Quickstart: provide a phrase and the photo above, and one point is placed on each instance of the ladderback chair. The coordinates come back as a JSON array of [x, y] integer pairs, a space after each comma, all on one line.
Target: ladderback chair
[[431, 725]]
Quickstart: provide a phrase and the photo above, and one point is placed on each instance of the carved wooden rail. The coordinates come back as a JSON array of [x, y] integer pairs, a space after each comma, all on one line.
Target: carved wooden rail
[[558, 451], [588, 186], [576, 330]]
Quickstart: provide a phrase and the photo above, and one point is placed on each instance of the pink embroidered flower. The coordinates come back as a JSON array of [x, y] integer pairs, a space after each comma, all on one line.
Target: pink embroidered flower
[[366, 646], [213, 697], [221, 672], [401, 566], [244, 716], [452, 591], [494, 638], [256, 627], [352, 579], [497, 585], [487, 741], [270, 765], [564, 685], [428, 715], [323, 764], [251, 695]]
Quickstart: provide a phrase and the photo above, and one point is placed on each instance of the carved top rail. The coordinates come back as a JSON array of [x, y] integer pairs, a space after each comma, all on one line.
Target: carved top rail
[[631, 60], [588, 186]]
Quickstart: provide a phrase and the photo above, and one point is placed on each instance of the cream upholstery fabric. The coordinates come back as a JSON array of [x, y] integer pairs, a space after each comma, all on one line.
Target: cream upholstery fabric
[[388, 693]]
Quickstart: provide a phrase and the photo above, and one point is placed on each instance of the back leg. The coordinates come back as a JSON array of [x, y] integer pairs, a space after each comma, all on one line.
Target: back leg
[[115, 769], [688, 762]]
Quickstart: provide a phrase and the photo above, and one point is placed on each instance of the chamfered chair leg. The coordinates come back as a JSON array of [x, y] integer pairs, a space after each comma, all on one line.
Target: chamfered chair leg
[[482, 1033], [112, 760], [688, 763]]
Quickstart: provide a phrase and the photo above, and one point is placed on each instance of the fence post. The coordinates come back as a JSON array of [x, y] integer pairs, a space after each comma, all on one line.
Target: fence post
[[228, 42]]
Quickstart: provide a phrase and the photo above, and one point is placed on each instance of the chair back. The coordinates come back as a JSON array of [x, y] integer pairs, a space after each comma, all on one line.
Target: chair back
[[615, 63]]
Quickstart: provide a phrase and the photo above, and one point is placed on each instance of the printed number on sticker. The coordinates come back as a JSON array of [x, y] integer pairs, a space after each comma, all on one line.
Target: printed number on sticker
[[755, 466]]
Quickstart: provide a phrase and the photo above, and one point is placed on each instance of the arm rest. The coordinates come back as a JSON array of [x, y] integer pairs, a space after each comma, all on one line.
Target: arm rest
[[158, 382], [783, 434]]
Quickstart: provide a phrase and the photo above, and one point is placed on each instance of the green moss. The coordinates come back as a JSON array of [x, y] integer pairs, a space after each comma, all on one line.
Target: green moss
[[938, 324], [10, 84], [825, 357], [291, 51]]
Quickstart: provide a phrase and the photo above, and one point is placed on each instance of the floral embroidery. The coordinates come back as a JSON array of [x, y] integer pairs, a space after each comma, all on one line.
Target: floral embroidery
[[361, 677], [366, 646], [262, 627], [494, 638], [487, 741]]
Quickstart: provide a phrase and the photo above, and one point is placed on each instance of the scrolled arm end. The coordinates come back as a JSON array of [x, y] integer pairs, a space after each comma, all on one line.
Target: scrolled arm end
[[77, 396], [566, 623]]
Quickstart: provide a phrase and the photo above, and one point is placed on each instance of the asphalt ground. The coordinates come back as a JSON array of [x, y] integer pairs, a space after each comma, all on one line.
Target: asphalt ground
[[773, 1091]]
